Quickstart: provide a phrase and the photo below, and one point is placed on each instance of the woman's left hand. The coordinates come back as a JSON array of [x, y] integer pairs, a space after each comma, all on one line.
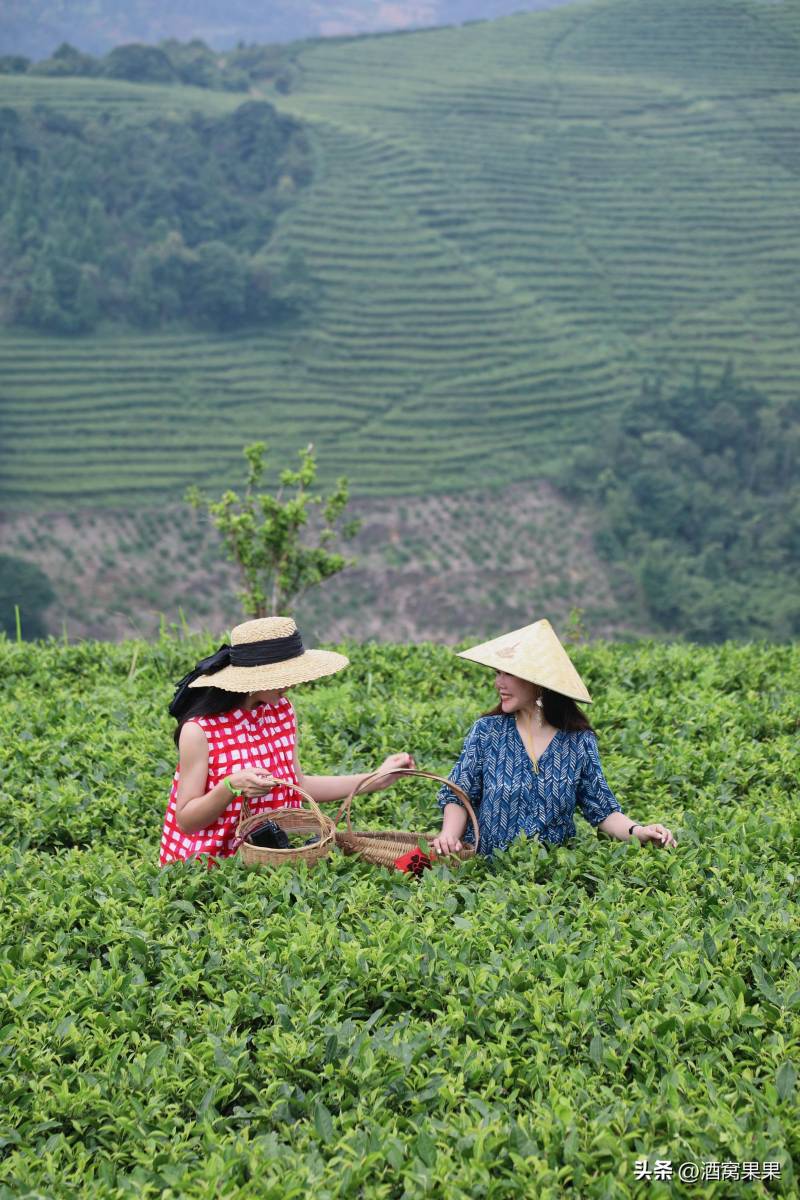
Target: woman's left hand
[[395, 762], [655, 833]]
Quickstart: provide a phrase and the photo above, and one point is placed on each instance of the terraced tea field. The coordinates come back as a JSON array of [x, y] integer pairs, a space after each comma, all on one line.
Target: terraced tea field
[[510, 223]]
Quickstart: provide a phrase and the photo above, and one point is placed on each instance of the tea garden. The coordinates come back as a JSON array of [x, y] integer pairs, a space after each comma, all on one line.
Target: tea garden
[[532, 1027]]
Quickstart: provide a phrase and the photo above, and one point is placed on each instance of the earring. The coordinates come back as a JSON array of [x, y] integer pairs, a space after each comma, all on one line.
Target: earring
[[539, 711]]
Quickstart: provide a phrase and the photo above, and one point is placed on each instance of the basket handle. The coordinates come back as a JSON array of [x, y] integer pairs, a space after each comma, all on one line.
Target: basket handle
[[346, 804], [249, 821]]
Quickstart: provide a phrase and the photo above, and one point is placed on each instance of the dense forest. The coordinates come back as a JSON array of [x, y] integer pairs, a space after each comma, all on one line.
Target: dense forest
[[93, 226], [698, 495]]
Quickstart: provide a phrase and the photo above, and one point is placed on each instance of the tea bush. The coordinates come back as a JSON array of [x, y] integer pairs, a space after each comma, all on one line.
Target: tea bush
[[530, 1028]]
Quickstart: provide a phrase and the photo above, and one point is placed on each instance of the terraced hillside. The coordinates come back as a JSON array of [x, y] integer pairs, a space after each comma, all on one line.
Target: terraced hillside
[[511, 224]]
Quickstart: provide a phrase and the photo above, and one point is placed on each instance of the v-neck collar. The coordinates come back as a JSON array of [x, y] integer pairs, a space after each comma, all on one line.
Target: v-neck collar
[[535, 763]]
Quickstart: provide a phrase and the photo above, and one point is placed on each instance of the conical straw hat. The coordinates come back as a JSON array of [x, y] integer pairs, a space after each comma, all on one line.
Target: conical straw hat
[[533, 653]]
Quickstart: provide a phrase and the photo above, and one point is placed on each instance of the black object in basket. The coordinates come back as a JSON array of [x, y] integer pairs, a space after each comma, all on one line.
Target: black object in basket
[[295, 820], [269, 834]]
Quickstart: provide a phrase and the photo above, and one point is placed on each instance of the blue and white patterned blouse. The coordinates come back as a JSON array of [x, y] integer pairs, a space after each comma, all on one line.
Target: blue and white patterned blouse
[[510, 798]]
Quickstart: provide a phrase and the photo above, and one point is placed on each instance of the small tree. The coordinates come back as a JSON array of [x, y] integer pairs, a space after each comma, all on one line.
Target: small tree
[[262, 531]]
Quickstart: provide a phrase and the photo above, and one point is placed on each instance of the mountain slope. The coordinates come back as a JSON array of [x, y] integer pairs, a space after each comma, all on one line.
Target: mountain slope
[[510, 224]]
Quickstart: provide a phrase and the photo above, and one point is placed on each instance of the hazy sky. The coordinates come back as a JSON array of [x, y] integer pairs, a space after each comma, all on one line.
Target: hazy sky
[[36, 27]]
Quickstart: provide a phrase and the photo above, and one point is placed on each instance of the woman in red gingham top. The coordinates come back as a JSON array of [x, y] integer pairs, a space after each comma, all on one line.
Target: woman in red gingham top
[[236, 731], [261, 739]]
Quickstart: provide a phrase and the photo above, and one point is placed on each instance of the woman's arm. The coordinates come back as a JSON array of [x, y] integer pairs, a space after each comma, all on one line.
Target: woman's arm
[[195, 808], [617, 825], [600, 807], [468, 775], [454, 823], [336, 787]]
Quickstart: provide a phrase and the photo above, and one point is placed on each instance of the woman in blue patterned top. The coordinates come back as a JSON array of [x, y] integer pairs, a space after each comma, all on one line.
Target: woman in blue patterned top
[[529, 763]]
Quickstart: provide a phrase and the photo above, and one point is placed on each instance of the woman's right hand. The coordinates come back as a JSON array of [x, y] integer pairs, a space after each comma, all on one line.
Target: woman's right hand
[[446, 844], [252, 782]]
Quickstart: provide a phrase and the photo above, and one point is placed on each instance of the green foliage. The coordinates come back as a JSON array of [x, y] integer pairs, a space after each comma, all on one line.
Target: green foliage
[[96, 225], [191, 63], [699, 494], [140, 64], [262, 533], [14, 64], [67, 60], [499, 257], [526, 1030], [23, 586]]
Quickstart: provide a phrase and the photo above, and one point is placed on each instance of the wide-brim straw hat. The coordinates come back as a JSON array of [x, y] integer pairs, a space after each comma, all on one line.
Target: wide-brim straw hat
[[268, 654], [533, 653]]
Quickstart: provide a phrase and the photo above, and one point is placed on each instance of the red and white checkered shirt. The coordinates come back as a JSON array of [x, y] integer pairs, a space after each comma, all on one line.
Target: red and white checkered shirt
[[263, 738]]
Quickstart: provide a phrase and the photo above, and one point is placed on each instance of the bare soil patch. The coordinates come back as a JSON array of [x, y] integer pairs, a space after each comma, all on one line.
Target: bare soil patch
[[435, 568]]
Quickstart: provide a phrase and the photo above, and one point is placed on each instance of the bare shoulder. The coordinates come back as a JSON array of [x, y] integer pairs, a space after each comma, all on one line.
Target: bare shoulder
[[192, 740]]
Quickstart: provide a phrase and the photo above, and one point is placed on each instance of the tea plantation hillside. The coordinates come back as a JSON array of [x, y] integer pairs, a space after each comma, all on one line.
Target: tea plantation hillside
[[509, 225], [531, 1028]]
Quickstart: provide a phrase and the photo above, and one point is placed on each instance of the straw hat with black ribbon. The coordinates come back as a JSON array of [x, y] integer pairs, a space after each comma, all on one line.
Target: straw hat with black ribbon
[[533, 653], [264, 655]]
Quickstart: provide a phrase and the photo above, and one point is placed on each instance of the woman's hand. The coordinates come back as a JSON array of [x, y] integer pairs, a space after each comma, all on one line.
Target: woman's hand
[[395, 762], [454, 823], [655, 833], [252, 782], [446, 844]]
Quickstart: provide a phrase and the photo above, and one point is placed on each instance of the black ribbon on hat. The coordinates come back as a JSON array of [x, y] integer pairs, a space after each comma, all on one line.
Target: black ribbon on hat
[[183, 698], [259, 654], [249, 654]]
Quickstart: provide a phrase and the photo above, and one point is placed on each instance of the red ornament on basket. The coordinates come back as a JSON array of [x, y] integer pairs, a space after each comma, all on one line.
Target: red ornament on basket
[[415, 861]]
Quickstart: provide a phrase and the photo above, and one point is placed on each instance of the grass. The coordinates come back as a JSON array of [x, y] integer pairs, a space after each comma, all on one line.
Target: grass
[[511, 224]]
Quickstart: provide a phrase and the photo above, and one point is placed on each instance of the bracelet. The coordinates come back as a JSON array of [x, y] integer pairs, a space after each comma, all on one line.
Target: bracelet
[[230, 786], [635, 825]]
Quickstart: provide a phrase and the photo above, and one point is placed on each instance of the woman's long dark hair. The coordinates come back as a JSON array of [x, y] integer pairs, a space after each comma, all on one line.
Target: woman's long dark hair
[[559, 711], [209, 702]]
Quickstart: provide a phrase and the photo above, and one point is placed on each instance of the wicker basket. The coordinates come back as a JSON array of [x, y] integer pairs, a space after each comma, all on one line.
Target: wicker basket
[[290, 820], [383, 848]]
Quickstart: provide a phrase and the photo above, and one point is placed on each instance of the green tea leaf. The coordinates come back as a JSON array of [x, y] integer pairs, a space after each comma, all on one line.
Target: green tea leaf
[[785, 1080], [323, 1121], [425, 1148]]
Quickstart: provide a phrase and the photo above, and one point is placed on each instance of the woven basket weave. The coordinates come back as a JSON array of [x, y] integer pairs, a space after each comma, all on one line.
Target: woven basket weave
[[383, 847], [290, 820]]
